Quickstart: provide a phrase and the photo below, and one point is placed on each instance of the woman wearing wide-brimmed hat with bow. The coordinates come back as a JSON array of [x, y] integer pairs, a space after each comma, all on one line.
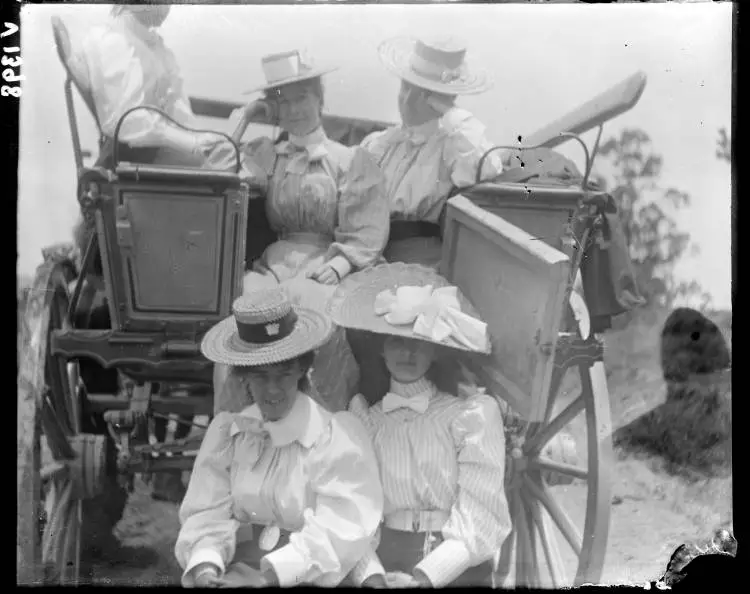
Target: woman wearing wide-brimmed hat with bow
[[441, 450], [436, 148], [325, 200], [283, 492]]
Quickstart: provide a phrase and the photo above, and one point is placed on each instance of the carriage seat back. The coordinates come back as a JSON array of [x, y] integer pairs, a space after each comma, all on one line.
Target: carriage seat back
[[77, 76], [173, 247]]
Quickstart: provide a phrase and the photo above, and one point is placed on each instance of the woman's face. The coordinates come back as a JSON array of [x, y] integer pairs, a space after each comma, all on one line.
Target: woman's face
[[407, 359], [153, 15], [274, 388], [299, 108]]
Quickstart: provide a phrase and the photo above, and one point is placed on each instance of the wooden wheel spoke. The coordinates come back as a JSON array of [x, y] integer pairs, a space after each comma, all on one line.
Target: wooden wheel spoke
[[549, 546], [57, 440], [526, 560], [544, 463], [557, 513], [536, 442]]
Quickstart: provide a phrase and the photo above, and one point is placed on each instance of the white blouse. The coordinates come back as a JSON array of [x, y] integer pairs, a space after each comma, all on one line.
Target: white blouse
[[313, 473], [126, 65], [449, 458], [423, 163]]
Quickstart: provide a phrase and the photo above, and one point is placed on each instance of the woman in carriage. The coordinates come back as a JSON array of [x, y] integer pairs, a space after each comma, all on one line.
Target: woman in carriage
[[323, 199], [283, 492], [441, 449], [125, 64]]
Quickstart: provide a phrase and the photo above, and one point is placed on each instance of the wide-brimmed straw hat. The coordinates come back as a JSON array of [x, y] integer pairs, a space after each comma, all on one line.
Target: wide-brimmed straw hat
[[438, 65], [265, 328], [289, 67], [409, 300]]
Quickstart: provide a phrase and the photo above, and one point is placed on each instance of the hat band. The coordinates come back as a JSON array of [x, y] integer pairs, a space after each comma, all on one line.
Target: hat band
[[285, 67], [267, 331], [433, 71]]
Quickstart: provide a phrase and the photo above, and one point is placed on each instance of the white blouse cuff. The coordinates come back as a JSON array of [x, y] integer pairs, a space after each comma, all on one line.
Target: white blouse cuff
[[341, 265], [367, 566], [201, 556], [288, 564], [447, 562]]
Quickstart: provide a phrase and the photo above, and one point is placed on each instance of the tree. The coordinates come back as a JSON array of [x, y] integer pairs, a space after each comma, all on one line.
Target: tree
[[654, 240]]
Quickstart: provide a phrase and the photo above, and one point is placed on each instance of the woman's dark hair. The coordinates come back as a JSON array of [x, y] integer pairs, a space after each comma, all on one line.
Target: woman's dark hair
[[305, 362]]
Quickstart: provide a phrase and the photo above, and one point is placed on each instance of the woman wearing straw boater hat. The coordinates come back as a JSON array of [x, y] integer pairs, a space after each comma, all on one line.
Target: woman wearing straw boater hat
[[283, 492], [441, 450], [436, 148], [325, 201]]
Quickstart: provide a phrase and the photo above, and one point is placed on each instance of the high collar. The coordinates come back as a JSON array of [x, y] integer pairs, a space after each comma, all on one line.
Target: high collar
[[314, 138], [419, 134], [421, 386], [304, 423]]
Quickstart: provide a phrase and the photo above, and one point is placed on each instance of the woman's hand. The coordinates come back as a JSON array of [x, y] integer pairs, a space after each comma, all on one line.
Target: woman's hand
[[375, 581], [206, 576], [325, 275], [241, 575], [260, 108], [399, 579]]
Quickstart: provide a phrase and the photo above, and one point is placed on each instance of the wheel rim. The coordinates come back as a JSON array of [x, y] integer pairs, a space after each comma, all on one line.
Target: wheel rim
[[553, 544], [49, 416]]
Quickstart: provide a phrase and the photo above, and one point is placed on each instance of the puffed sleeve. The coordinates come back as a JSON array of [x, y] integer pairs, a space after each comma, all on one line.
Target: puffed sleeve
[[363, 216], [118, 81], [465, 146], [479, 520], [208, 531], [349, 505], [359, 408]]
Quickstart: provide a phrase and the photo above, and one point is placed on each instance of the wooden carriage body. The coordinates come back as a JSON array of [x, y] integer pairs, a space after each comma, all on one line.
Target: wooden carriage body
[[174, 244]]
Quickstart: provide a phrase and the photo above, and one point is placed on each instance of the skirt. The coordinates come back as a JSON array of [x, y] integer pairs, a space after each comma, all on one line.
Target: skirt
[[400, 550]]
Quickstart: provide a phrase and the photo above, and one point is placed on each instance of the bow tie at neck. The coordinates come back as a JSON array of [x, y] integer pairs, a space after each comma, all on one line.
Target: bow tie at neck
[[418, 134], [303, 150], [414, 395]]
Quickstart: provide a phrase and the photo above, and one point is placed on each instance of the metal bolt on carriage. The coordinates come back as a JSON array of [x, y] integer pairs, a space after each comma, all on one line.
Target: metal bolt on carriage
[[174, 244]]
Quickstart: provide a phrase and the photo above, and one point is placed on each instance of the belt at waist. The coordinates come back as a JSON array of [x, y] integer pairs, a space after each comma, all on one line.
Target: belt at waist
[[416, 521], [407, 229], [309, 237], [253, 532]]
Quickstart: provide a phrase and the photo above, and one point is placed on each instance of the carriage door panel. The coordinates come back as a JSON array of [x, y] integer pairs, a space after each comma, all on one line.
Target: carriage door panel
[[518, 284], [171, 250]]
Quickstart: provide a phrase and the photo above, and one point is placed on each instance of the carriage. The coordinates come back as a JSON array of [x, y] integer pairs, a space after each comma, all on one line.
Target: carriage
[[174, 243]]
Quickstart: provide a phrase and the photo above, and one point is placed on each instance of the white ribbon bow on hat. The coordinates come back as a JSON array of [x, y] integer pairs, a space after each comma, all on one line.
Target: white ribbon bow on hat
[[435, 314]]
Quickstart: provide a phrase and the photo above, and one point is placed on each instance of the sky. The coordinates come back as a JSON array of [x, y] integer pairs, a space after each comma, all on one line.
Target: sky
[[545, 61]]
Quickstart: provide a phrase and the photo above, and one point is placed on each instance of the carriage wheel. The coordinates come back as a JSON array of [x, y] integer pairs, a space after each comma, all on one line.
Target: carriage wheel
[[560, 507], [58, 466]]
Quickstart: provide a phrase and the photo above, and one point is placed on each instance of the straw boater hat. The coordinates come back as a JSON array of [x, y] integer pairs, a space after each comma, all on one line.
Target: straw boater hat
[[288, 67], [265, 328], [409, 300], [439, 65]]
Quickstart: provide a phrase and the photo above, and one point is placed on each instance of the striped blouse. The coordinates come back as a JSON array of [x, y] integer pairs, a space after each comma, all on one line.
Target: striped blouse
[[313, 473], [450, 458], [423, 163]]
